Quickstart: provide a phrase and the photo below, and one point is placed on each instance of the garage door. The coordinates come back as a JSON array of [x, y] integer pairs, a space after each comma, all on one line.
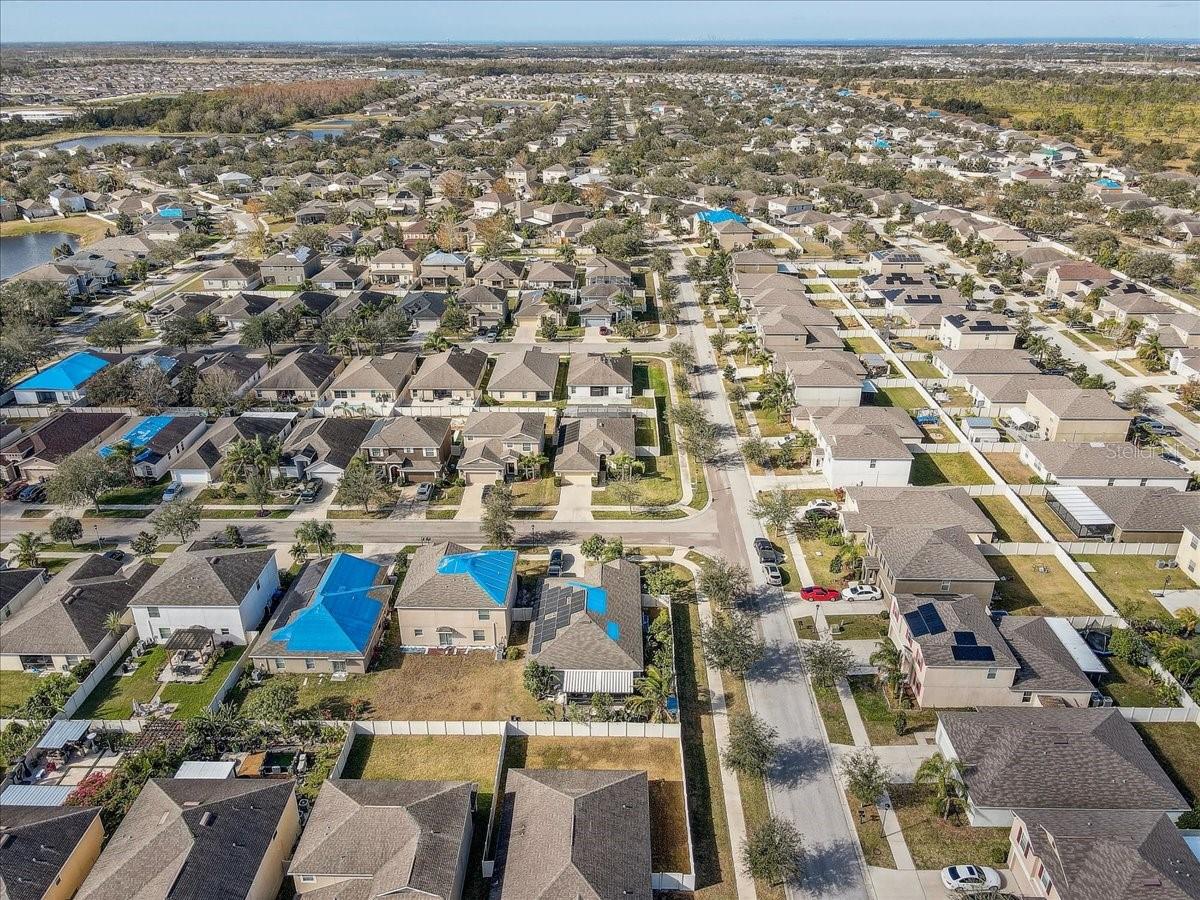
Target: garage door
[[478, 477], [577, 479], [185, 476]]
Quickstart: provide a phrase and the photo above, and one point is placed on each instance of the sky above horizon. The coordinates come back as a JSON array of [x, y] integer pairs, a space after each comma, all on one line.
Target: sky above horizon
[[598, 20]]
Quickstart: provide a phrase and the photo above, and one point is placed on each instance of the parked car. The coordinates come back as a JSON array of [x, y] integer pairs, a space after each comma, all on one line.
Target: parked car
[[818, 594], [492, 335], [1162, 429], [425, 491], [14, 488], [556, 563], [966, 879], [116, 555], [862, 592], [766, 551], [748, 327], [34, 493], [819, 504], [605, 330], [310, 489], [1174, 459], [172, 491], [773, 574], [996, 288]]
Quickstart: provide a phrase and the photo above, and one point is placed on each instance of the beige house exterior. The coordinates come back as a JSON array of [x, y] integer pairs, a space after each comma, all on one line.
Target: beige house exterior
[[40, 836], [918, 560], [455, 597], [1188, 554], [1078, 416]]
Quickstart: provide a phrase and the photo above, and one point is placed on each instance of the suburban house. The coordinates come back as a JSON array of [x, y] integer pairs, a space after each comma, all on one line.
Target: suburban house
[[455, 597], [35, 455], [17, 587], [1053, 759], [1188, 554], [200, 837], [1068, 854], [204, 461], [501, 274], [428, 825], [48, 850], [369, 385], [822, 378], [955, 655], [495, 440], [310, 307], [323, 448], [226, 592], [529, 375], [976, 331], [585, 446], [1073, 414], [60, 382], [440, 269], [330, 620], [238, 309], [290, 267], [394, 266], [550, 276], [886, 262], [342, 276], [63, 623], [237, 275], [549, 843], [591, 635], [408, 448], [599, 378], [863, 445], [960, 365], [1123, 513], [156, 442], [300, 377], [452, 376], [923, 559], [1101, 463], [997, 395]]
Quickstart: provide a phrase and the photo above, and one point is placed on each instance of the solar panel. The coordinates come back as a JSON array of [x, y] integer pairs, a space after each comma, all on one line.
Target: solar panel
[[916, 623], [965, 638], [933, 620], [972, 653]]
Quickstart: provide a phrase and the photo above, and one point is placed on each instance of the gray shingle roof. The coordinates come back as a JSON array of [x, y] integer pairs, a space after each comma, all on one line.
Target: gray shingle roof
[[204, 578], [451, 370], [333, 441], [1046, 665], [600, 369], [581, 442], [959, 614], [300, 371], [569, 632], [915, 553], [935, 507], [524, 370], [389, 836], [1051, 758], [40, 841], [1064, 459], [566, 835]]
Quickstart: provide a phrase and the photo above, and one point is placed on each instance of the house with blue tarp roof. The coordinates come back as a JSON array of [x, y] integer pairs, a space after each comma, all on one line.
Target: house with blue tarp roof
[[591, 635], [715, 216], [453, 596], [330, 621], [156, 441], [61, 382]]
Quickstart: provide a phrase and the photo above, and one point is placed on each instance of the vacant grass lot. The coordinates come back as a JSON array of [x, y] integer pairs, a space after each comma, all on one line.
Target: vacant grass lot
[[15, 689], [1128, 580], [659, 759], [425, 686], [833, 715], [1010, 467], [437, 758], [936, 844], [863, 345], [87, 229], [113, 697], [1028, 591], [193, 699], [1174, 746], [1010, 525], [946, 468]]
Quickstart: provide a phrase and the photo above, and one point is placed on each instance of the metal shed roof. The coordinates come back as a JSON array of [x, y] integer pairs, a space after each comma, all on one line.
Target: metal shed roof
[[62, 733], [201, 769], [1081, 507], [35, 794], [602, 681]]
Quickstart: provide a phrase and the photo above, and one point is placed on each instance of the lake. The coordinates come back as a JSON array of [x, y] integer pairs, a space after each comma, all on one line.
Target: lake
[[319, 134], [94, 141], [24, 251]]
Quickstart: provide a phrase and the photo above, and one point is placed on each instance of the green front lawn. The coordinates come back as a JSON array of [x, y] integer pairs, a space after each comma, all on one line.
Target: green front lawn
[[658, 485], [113, 697], [193, 699], [830, 706], [1010, 524], [1027, 590], [819, 555], [879, 716], [15, 689], [935, 843], [905, 397], [946, 468], [863, 627], [137, 494], [1128, 580], [538, 492]]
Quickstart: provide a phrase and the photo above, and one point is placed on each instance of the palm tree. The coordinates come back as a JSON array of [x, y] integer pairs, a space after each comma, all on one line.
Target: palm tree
[[624, 465], [653, 694], [745, 341], [777, 393], [316, 534], [113, 623], [890, 664], [1153, 354], [946, 778], [531, 464], [27, 544], [436, 343]]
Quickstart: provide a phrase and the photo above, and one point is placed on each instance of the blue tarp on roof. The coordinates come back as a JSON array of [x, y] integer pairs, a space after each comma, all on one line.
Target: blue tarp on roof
[[140, 434], [65, 375], [342, 614], [596, 597], [881, 144], [490, 569], [713, 216], [1110, 183]]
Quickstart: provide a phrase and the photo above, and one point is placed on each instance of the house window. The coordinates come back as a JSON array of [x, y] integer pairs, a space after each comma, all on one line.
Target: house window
[[430, 451], [600, 391], [224, 631], [152, 612], [1194, 542], [526, 448], [308, 879], [1111, 482], [1191, 565], [873, 463], [1026, 696], [1023, 841], [485, 615], [477, 635], [164, 633], [417, 632], [945, 587], [1044, 878], [310, 663], [445, 639], [991, 673], [341, 395]]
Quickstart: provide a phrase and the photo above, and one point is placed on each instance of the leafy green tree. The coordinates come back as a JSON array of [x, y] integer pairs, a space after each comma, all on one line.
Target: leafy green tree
[[496, 521], [539, 680], [275, 700], [317, 534], [654, 690], [889, 664], [114, 333], [66, 529], [82, 477], [362, 484], [145, 543], [827, 661], [753, 745], [179, 517], [775, 509], [724, 583], [773, 852], [730, 644], [866, 776]]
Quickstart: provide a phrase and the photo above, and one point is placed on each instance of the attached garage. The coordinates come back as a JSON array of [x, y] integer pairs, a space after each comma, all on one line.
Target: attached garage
[[479, 477], [191, 476]]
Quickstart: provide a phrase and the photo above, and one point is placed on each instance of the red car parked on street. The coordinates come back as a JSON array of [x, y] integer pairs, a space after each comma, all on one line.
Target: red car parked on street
[[819, 594]]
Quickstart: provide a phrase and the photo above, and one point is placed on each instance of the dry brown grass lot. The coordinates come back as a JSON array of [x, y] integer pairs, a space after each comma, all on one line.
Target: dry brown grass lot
[[659, 758], [936, 844], [1028, 591], [1010, 467]]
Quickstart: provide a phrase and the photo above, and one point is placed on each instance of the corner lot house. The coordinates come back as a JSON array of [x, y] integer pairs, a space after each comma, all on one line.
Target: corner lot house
[[863, 445], [870, 507], [1072, 414], [585, 446], [63, 623], [224, 591], [1101, 463], [1053, 759], [61, 382], [200, 837], [455, 597], [549, 844], [35, 456], [428, 825], [48, 850], [591, 635], [956, 656], [330, 621]]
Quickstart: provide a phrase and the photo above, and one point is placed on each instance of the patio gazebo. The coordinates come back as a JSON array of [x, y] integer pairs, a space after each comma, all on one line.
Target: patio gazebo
[[190, 649]]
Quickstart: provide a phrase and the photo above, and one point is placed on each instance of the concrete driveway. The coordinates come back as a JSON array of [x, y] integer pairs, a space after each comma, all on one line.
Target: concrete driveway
[[574, 503], [526, 333], [471, 509]]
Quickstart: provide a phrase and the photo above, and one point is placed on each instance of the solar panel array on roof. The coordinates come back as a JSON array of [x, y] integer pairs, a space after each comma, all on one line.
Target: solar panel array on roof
[[972, 653], [924, 620], [965, 638]]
